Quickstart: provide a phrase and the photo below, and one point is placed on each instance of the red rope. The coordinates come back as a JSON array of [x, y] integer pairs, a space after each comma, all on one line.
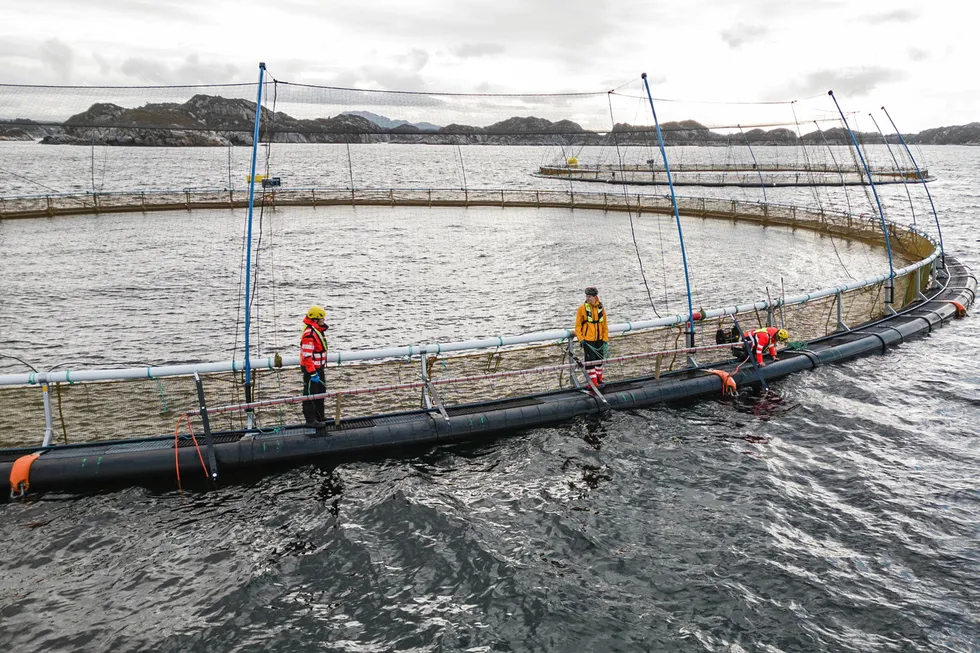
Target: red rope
[[190, 430]]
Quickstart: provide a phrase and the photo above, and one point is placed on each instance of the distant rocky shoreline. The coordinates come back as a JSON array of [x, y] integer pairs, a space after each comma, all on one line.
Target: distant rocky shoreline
[[209, 121]]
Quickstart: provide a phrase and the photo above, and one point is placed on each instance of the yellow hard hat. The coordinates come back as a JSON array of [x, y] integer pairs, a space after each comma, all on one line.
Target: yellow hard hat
[[782, 335], [316, 313]]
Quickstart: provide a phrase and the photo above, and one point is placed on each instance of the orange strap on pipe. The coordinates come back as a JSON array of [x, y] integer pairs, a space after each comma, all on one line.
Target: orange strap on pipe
[[960, 308], [20, 475], [728, 385]]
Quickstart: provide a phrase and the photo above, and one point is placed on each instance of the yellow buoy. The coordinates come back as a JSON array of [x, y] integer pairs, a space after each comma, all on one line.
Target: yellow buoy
[[572, 161]]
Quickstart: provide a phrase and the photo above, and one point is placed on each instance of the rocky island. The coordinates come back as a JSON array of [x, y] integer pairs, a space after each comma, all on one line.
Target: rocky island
[[209, 121]]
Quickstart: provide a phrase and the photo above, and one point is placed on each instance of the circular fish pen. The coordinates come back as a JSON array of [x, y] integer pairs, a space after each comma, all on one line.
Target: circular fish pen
[[772, 175], [79, 427]]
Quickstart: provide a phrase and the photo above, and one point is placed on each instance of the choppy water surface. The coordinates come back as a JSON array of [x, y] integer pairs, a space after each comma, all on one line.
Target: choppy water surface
[[843, 518]]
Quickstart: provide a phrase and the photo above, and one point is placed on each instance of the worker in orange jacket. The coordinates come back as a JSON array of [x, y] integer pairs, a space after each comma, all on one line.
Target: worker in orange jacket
[[313, 359], [758, 340], [592, 330]]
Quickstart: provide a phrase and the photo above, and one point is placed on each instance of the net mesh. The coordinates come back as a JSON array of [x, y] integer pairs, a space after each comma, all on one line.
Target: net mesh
[[125, 409], [359, 159]]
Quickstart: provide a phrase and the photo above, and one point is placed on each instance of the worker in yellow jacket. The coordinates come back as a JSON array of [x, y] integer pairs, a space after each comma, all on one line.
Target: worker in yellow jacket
[[592, 330]]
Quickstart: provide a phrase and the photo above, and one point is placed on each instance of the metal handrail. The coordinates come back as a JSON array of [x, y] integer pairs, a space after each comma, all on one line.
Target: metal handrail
[[270, 362]]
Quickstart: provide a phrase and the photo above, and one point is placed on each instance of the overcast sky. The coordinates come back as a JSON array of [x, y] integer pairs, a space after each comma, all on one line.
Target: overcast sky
[[917, 57]]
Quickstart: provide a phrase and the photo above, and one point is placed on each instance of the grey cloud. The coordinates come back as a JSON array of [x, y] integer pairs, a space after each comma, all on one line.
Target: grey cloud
[[146, 71], [570, 35], [10, 48], [468, 50], [655, 80], [738, 35], [105, 67], [915, 54], [191, 71], [390, 78], [297, 70], [766, 9], [569, 24], [29, 62], [54, 62], [171, 10], [400, 73], [896, 16], [416, 59], [844, 82], [58, 58]]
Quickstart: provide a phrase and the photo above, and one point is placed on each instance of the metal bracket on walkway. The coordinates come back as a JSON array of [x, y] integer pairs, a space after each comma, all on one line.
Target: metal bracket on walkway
[[48, 427], [592, 390], [571, 357], [208, 439], [841, 325], [595, 392], [426, 399], [917, 280], [437, 400], [692, 360]]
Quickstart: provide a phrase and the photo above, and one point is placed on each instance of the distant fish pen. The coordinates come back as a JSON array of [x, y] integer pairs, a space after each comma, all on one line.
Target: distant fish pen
[[80, 429], [736, 175]]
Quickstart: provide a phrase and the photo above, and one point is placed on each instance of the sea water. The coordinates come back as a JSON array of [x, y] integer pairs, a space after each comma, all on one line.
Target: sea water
[[842, 518]]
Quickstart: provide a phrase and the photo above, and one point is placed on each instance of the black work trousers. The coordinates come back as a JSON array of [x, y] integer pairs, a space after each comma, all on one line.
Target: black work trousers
[[313, 408], [593, 350]]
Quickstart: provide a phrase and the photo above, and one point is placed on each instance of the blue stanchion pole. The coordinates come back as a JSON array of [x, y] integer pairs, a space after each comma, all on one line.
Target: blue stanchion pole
[[677, 217], [248, 242]]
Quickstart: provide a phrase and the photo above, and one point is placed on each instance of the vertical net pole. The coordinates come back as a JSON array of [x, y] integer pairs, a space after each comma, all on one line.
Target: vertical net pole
[[922, 178], [677, 218], [890, 286], [898, 168], [248, 245], [755, 163]]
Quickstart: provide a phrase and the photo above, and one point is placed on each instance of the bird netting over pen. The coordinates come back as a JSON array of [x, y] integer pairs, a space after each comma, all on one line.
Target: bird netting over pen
[[602, 132], [379, 205]]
